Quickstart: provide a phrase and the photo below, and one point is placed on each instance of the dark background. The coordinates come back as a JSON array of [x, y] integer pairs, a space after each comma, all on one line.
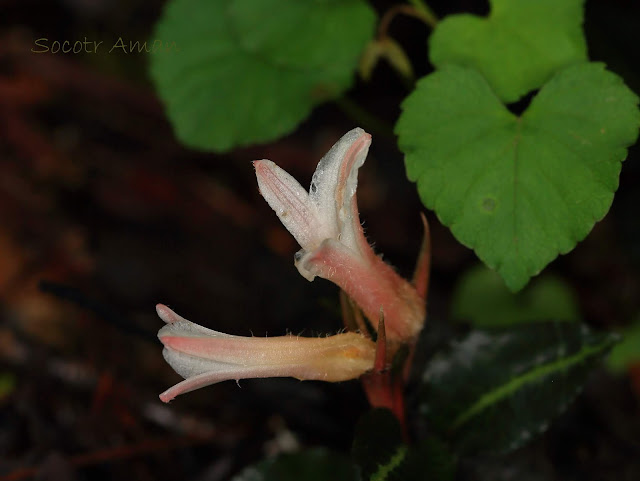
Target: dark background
[[103, 214]]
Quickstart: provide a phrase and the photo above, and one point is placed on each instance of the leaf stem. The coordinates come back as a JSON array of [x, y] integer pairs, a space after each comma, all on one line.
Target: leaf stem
[[427, 14]]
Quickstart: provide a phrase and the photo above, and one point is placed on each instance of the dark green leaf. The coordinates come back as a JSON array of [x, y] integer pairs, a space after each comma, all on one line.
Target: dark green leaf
[[430, 460], [250, 70], [482, 298], [529, 464], [377, 446], [311, 465], [518, 190], [381, 455], [493, 391], [518, 47]]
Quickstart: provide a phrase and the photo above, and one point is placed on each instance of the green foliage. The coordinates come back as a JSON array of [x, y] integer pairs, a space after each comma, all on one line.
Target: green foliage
[[493, 391], [378, 447], [381, 455], [311, 465], [251, 70], [518, 190], [518, 47], [433, 458], [482, 298], [627, 351]]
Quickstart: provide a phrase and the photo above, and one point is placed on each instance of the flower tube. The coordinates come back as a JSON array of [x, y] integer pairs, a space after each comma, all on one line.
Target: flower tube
[[203, 356]]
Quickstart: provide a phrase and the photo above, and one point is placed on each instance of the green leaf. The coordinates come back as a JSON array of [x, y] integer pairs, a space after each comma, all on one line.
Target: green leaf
[[518, 190], [377, 447], [493, 391], [310, 465], [482, 298], [518, 47], [627, 352], [381, 455], [251, 70]]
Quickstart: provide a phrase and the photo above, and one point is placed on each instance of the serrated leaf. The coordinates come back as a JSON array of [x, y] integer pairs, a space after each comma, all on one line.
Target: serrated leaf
[[250, 70], [518, 47], [494, 391], [310, 465], [518, 190], [482, 298]]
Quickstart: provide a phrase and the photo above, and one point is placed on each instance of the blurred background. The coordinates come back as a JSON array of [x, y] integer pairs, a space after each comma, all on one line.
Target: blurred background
[[103, 214]]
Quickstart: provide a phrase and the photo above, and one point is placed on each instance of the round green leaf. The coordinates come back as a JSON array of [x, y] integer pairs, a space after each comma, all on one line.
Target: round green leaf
[[518, 47], [482, 298], [247, 71], [518, 190], [311, 465], [493, 391]]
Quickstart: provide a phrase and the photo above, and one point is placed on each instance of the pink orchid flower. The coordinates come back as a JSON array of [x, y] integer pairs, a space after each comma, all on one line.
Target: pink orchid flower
[[326, 224], [204, 357]]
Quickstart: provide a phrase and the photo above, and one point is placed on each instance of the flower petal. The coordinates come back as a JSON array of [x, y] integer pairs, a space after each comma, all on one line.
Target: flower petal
[[333, 188], [291, 203], [208, 378]]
